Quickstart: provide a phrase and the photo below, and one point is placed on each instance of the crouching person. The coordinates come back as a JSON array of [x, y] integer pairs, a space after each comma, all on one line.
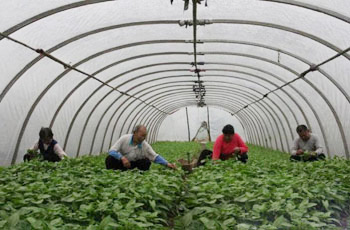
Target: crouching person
[[307, 146], [48, 147], [132, 151], [226, 146]]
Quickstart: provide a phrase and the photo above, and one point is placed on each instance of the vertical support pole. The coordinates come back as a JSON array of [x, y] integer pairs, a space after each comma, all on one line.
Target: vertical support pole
[[188, 126], [208, 124]]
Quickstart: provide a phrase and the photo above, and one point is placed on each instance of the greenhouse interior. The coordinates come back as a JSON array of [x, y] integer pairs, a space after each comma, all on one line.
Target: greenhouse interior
[[175, 114]]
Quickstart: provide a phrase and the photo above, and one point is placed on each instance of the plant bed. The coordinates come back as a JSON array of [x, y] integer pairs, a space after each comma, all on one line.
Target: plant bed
[[267, 193]]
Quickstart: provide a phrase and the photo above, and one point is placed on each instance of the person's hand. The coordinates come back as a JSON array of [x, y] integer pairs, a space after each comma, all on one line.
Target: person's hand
[[126, 162], [172, 166], [236, 150], [300, 152]]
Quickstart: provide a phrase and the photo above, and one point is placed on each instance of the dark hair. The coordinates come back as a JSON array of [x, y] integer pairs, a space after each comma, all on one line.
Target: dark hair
[[45, 133], [301, 128], [228, 129], [137, 128]]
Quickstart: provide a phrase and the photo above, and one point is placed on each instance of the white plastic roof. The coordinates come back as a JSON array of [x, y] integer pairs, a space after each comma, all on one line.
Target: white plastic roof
[[249, 48]]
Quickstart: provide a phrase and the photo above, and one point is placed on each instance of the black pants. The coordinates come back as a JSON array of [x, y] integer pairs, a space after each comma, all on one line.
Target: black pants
[[311, 158], [51, 157], [29, 157], [142, 164], [47, 157], [207, 155]]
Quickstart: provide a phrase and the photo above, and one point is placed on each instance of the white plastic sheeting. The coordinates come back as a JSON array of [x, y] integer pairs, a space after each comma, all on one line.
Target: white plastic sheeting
[[174, 127], [250, 48]]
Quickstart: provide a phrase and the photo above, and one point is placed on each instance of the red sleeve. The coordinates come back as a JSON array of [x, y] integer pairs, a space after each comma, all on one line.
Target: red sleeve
[[217, 148], [241, 144]]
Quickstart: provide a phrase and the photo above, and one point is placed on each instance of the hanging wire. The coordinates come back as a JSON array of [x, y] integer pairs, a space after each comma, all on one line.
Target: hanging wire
[[302, 75], [201, 92], [195, 32], [68, 66]]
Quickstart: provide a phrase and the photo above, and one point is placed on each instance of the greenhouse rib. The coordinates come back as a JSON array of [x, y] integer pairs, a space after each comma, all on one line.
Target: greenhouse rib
[[302, 75], [68, 66]]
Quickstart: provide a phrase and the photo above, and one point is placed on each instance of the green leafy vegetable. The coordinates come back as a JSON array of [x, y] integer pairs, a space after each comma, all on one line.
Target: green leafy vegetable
[[269, 192]]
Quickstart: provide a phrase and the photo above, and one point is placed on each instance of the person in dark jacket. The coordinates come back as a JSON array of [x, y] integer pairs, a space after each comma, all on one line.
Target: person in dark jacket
[[48, 147]]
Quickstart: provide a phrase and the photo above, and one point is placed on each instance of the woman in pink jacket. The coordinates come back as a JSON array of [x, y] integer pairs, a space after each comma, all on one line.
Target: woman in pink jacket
[[226, 146]]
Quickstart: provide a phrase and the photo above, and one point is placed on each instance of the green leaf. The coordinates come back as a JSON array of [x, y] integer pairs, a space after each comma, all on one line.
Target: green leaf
[[317, 225], [310, 205], [2, 223], [187, 219], [107, 221], [13, 219], [153, 204], [216, 196], [38, 201], [229, 222], [44, 196], [325, 204], [56, 222], [144, 225], [86, 208], [68, 199], [280, 221], [295, 195], [34, 223], [209, 224], [243, 226], [241, 199]]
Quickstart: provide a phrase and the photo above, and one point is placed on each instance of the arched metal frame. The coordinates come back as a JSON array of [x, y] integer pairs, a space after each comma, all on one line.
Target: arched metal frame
[[307, 6], [249, 123], [119, 107], [265, 72], [241, 86], [84, 103], [138, 68], [189, 99], [236, 78], [128, 71], [296, 74], [162, 97], [162, 101], [168, 89], [88, 2], [41, 95], [246, 125], [256, 136], [175, 105], [237, 92], [159, 119], [156, 119]]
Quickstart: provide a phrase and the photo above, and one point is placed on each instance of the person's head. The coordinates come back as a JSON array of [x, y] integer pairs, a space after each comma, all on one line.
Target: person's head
[[228, 132], [140, 133], [303, 132], [46, 135]]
